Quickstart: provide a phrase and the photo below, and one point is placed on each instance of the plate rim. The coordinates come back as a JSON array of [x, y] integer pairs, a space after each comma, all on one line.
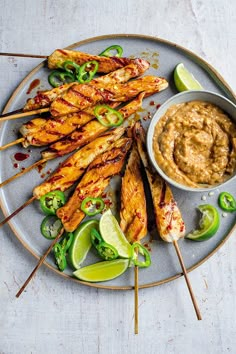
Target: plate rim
[[221, 82]]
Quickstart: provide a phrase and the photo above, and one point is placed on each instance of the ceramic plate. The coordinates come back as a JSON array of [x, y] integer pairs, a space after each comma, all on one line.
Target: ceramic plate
[[163, 57]]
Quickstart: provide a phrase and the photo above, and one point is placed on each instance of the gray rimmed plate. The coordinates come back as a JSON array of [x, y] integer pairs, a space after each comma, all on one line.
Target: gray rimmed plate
[[163, 56]]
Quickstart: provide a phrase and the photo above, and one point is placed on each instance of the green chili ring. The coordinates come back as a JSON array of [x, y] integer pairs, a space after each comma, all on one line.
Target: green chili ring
[[108, 116], [96, 238], [58, 78], [67, 241], [227, 202], [60, 258], [107, 52], [134, 255], [52, 201], [85, 75], [92, 206], [68, 64], [51, 227], [107, 251]]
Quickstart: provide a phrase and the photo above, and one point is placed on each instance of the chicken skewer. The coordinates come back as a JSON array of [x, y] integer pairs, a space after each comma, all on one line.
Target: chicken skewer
[[94, 182], [51, 130], [102, 170], [59, 56], [66, 124], [133, 213], [78, 97], [105, 64], [41, 132], [74, 166], [169, 221], [43, 99], [122, 75], [67, 174], [78, 138]]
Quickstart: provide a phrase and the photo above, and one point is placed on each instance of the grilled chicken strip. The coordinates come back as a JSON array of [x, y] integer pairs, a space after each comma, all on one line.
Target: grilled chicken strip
[[94, 182], [80, 96], [44, 98], [73, 167], [51, 130], [133, 213], [41, 132], [106, 64], [88, 132], [170, 224]]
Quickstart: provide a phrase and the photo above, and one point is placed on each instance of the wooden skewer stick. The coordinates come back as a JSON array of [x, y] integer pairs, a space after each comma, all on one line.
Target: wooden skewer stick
[[15, 142], [23, 114], [12, 112], [17, 211], [24, 55], [136, 299], [42, 259], [27, 169], [199, 317]]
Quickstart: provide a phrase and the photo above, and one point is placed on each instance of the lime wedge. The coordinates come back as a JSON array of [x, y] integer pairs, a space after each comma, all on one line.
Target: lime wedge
[[112, 234], [208, 224], [102, 271], [184, 80], [81, 243]]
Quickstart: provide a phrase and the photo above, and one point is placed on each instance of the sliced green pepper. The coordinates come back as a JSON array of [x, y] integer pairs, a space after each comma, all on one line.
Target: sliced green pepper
[[58, 78], [96, 238], [209, 223], [52, 201], [60, 258], [135, 250], [67, 241], [108, 51], [92, 206], [68, 65], [108, 116], [227, 202], [51, 226], [87, 71], [107, 251]]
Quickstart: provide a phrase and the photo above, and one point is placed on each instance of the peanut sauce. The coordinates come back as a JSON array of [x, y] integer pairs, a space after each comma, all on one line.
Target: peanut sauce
[[194, 143]]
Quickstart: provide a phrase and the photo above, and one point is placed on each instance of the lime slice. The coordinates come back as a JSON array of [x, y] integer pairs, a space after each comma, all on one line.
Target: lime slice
[[184, 80], [208, 224], [81, 243], [102, 271], [112, 234]]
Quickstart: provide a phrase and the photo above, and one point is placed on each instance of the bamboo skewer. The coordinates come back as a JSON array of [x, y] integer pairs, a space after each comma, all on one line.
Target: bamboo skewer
[[12, 112], [136, 287], [175, 243], [24, 55], [29, 201], [42, 259], [10, 116], [15, 142], [21, 173]]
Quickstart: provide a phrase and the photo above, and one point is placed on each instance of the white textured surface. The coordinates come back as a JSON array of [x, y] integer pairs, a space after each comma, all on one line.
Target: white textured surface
[[58, 316]]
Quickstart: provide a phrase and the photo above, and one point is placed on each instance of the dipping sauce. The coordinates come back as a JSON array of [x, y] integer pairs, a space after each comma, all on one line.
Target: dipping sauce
[[194, 143], [19, 156]]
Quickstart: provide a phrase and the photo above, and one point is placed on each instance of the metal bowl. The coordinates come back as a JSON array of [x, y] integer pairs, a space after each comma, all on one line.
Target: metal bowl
[[226, 105]]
